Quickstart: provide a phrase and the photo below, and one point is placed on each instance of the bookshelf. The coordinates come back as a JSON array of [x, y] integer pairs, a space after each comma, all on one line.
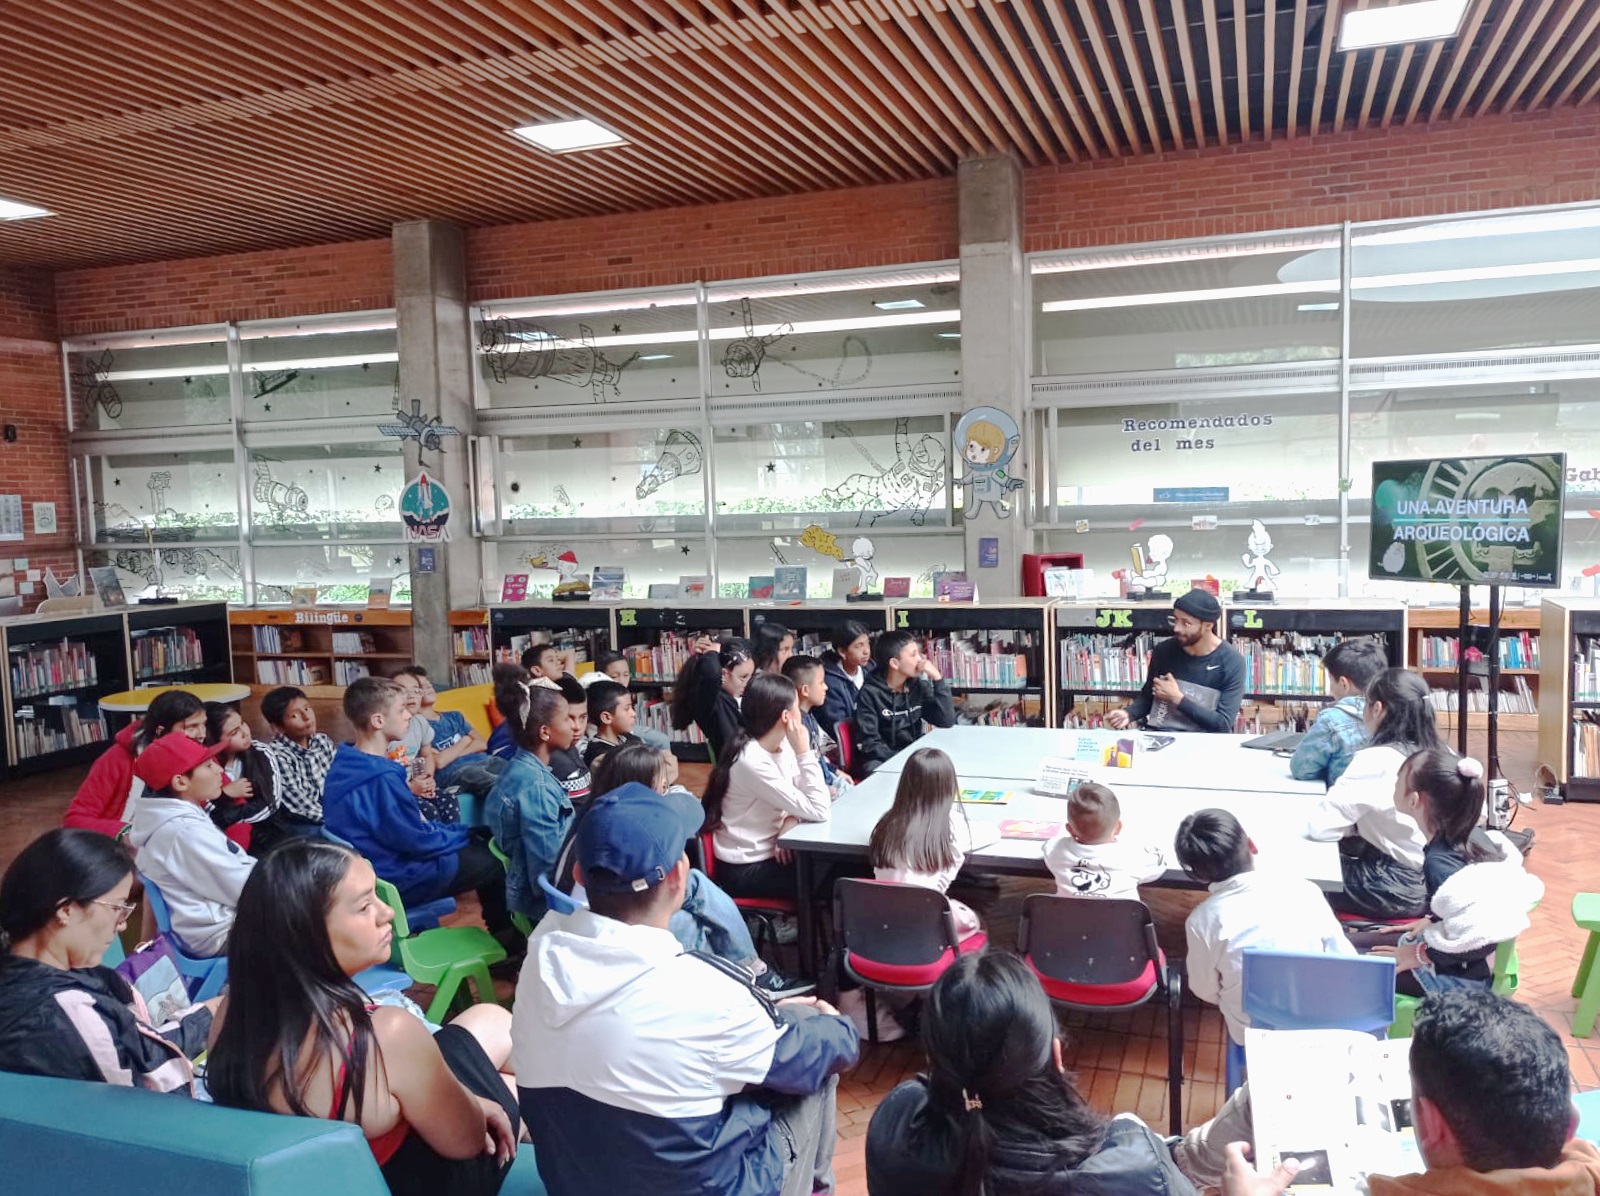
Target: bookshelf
[[59, 667], [1283, 645], [470, 656], [318, 649], [1102, 653], [995, 655], [814, 623], [582, 628], [1432, 645], [1569, 692], [655, 637]]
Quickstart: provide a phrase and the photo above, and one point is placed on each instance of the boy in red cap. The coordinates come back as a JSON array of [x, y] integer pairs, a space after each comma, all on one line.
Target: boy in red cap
[[197, 869]]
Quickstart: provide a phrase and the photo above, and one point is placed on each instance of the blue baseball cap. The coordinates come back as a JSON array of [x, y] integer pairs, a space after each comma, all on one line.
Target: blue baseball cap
[[633, 836]]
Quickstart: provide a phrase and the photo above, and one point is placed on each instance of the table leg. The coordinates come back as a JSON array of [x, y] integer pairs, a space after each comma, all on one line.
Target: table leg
[[805, 915]]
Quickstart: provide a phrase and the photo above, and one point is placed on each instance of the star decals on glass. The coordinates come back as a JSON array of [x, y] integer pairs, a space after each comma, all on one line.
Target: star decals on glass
[[377, 469], [577, 442], [771, 467], [684, 549]]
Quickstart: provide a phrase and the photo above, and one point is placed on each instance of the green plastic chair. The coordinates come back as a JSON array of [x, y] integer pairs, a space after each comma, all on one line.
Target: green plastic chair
[[522, 922], [444, 957], [1586, 984], [1507, 975]]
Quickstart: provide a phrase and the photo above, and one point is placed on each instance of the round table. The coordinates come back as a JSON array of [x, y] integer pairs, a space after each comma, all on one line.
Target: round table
[[131, 702]]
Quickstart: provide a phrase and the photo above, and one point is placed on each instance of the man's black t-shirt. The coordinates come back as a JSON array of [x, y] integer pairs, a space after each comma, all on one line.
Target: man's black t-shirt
[[1221, 671]]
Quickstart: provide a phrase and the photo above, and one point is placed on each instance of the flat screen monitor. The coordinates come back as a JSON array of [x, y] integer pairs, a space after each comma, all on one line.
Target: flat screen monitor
[[1469, 520]]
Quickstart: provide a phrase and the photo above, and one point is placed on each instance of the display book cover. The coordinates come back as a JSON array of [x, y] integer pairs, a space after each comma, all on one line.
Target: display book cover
[[1167, 717], [606, 582], [789, 581], [107, 585]]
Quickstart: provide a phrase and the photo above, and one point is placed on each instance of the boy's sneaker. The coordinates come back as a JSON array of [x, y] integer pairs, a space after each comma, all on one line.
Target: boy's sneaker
[[780, 987], [786, 931]]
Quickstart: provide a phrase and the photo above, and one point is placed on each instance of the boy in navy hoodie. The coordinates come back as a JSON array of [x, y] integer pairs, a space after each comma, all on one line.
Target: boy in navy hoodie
[[366, 801]]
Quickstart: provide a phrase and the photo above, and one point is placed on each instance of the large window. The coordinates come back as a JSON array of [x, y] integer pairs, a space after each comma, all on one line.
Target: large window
[[173, 379]]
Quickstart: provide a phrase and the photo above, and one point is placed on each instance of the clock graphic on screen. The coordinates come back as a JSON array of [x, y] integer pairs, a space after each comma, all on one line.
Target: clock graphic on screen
[[1536, 480]]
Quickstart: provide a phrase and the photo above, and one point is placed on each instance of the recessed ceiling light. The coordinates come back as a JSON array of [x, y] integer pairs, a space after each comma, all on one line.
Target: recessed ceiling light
[[654, 356], [897, 304], [11, 209], [1419, 21], [566, 136]]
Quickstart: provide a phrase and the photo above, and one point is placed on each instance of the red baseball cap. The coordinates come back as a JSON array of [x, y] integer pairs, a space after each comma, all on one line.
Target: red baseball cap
[[174, 753]]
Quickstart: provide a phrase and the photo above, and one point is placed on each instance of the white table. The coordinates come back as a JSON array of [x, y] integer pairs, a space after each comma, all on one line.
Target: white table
[[1275, 822], [1194, 760]]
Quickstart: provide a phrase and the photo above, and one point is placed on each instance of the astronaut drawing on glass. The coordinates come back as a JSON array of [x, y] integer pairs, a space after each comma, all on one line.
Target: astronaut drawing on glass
[[1262, 571], [986, 439], [906, 487]]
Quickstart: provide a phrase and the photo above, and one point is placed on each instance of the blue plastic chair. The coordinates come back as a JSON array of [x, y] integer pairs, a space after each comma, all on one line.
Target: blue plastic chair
[[204, 977], [1292, 990], [425, 915], [555, 899], [1588, 1106]]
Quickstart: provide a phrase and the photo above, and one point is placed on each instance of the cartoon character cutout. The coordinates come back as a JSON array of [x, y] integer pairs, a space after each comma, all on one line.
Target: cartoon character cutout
[[986, 439], [862, 551], [1157, 551], [909, 485], [1262, 571]]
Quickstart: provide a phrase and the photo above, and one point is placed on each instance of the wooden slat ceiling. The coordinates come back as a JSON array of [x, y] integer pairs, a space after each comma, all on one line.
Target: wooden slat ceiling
[[170, 128]]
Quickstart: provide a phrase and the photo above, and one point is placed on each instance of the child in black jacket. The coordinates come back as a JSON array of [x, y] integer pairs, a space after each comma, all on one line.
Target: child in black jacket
[[905, 691]]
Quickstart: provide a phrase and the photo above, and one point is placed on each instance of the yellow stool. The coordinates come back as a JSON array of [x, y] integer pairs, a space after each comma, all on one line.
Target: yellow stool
[[1586, 984]]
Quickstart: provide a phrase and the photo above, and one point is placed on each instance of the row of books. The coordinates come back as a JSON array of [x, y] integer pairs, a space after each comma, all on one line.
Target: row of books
[[57, 727], [660, 664], [1519, 651], [1585, 747], [471, 641], [1285, 663], [278, 639], [992, 714], [346, 671], [579, 647], [171, 650], [1106, 661], [291, 672], [1586, 670], [475, 672], [45, 668], [971, 662], [655, 715], [354, 643], [1518, 699]]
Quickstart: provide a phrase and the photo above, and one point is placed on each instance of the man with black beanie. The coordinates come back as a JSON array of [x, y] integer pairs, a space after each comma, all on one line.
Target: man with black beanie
[[1195, 681]]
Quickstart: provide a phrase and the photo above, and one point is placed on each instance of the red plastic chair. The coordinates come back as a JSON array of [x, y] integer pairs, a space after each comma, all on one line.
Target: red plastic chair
[[764, 912], [845, 735], [1101, 957], [896, 937]]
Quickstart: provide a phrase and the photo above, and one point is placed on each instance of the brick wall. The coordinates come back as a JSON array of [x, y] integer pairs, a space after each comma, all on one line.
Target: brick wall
[[352, 276], [36, 464], [1520, 160]]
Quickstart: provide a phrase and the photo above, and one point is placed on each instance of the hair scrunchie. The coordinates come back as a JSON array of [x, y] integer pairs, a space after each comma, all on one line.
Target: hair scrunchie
[[971, 1102], [1468, 767]]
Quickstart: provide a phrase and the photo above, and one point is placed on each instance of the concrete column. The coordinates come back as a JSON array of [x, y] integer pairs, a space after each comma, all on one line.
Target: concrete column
[[994, 349], [435, 343]]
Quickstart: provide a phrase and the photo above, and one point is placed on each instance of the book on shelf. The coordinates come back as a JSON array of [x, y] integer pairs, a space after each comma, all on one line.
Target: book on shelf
[[303, 596], [655, 715], [354, 643], [1516, 697], [1285, 662], [694, 587], [107, 586], [379, 592], [1106, 661], [291, 672], [606, 583], [1586, 744], [760, 587], [55, 725], [897, 587], [789, 582], [347, 671], [846, 581], [993, 713], [43, 668], [168, 650], [1586, 670], [514, 588], [660, 662], [983, 660], [575, 647], [476, 672], [1517, 650], [278, 639], [471, 641]]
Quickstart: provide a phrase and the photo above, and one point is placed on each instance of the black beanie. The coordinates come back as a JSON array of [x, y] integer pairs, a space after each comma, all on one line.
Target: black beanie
[[1200, 604]]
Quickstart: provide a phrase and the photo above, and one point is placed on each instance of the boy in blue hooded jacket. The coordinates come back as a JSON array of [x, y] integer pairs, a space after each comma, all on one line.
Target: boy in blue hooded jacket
[[366, 801]]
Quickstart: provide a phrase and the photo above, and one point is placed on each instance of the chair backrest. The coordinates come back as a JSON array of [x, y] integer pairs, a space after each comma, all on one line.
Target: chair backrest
[[473, 703], [845, 735], [390, 896], [1084, 940], [887, 922], [1291, 990], [708, 855], [554, 898], [158, 906]]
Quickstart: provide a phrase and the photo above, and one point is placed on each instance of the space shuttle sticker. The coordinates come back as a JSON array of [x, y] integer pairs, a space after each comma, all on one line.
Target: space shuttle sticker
[[425, 510]]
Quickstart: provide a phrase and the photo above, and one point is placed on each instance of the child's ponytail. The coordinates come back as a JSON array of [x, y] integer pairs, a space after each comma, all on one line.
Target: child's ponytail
[[1452, 791]]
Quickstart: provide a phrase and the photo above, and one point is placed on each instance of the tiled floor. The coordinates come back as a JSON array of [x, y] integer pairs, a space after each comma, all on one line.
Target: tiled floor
[[1120, 1060]]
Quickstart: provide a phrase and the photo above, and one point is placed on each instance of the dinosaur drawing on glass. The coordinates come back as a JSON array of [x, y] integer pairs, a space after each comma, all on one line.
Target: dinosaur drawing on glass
[[907, 487], [517, 349]]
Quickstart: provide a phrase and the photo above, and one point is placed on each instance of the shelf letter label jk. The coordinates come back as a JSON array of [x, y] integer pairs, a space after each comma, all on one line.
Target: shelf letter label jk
[[1109, 617]]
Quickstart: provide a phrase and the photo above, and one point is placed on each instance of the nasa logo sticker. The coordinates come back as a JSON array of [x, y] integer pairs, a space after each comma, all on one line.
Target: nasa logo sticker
[[425, 510]]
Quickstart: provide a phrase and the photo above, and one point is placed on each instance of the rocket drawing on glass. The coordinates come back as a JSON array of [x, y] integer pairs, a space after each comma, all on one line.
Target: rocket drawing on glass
[[1262, 571], [986, 439]]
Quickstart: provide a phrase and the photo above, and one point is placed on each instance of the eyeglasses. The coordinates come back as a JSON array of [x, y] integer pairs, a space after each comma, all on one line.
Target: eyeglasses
[[124, 909]]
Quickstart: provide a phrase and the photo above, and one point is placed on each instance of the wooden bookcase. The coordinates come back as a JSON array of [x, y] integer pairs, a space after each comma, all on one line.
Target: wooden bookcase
[[318, 649], [471, 657], [1006, 676], [1431, 643], [815, 623], [1102, 652], [1569, 699], [654, 636], [58, 667], [582, 628]]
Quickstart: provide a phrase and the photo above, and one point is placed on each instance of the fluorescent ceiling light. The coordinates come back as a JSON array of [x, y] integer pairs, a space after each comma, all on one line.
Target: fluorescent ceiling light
[[897, 304], [568, 136], [252, 367], [1469, 274], [1156, 298], [1560, 220], [11, 209], [949, 336], [655, 356], [1318, 307], [1419, 21]]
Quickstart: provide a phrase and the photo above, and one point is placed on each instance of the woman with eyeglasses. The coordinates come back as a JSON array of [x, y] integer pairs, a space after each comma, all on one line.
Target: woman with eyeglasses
[[61, 1014]]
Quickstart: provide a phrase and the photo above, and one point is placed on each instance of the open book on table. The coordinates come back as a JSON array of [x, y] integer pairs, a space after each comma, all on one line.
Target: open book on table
[[1339, 1101]]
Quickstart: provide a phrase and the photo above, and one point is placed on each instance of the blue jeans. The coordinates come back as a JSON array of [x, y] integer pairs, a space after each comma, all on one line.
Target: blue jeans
[[709, 921], [653, 739]]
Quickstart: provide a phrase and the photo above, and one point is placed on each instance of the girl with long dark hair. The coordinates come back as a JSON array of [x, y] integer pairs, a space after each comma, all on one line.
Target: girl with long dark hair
[[1478, 893], [245, 808], [708, 689], [996, 1113], [925, 836], [104, 802], [771, 645], [62, 901], [1380, 847], [766, 779], [297, 1036], [845, 666]]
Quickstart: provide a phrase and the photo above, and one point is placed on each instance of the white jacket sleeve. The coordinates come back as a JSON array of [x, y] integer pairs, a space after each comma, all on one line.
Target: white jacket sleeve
[[759, 776], [1367, 785], [1202, 965], [208, 869]]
